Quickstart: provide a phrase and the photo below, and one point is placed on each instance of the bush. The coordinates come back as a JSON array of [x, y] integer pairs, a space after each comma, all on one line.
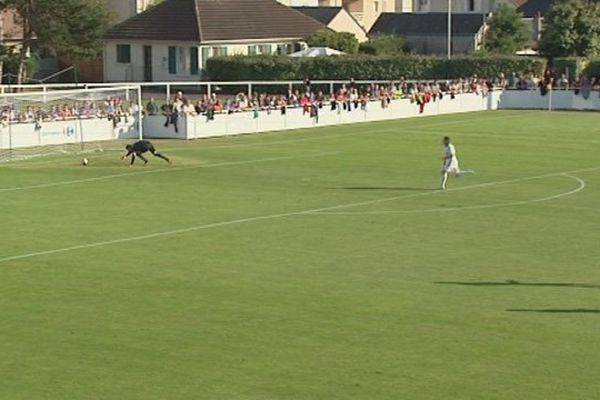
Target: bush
[[593, 68], [11, 65], [384, 45], [491, 66], [361, 67], [507, 32], [345, 42]]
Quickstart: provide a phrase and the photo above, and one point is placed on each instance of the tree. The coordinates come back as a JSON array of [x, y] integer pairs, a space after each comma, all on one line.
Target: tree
[[507, 33], [572, 28], [384, 45], [71, 28], [343, 41]]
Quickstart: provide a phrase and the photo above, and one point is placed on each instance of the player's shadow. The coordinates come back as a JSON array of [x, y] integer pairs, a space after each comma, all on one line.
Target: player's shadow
[[525, 284], [557, 310], [399, 188]]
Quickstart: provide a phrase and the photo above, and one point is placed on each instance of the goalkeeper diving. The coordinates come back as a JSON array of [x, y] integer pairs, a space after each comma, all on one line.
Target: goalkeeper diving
[[139, 148]]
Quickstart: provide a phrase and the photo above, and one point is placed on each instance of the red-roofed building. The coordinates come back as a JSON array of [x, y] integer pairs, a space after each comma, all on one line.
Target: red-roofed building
[[172, 40]]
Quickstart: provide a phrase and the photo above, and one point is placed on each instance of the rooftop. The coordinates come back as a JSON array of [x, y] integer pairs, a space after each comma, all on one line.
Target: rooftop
[[216, 20], [427, 24]]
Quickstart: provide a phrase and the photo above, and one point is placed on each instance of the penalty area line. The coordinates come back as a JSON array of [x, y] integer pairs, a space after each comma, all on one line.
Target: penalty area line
[[314, 212], [156, 171], [581, 182]]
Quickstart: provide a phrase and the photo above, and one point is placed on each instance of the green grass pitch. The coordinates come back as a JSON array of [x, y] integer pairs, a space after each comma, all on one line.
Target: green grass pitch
[[311, 264]]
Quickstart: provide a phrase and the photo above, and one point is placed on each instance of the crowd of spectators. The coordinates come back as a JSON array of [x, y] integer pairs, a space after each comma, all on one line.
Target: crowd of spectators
[[114, 108], [352, 96], [553, 80], [311, 98]]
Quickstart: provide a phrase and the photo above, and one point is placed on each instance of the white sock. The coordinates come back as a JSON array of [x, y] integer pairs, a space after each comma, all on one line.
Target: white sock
[[444, 180], [465, 172]]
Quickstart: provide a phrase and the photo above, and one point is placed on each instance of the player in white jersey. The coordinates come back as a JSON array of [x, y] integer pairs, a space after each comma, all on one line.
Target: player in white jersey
[[450, 163]]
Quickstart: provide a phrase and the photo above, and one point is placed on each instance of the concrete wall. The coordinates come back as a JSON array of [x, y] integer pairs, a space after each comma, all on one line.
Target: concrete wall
[[555, 100], [64, 132], [241, 123]]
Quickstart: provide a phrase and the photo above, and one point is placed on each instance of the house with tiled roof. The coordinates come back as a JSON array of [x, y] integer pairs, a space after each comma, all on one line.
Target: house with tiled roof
[[427, 33], [534, 12], [459, 6], [337, 19], [533, 8], [120, 10], [173, 40]]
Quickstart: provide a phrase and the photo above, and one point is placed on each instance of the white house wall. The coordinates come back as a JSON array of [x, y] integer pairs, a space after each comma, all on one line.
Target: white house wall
[[459, 6], [134, 71], [343, 22]]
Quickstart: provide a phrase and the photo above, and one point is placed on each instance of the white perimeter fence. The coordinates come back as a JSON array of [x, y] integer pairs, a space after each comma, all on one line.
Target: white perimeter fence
[[20, 135]]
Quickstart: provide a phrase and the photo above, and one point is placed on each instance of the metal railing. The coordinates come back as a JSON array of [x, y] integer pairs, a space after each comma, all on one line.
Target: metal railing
[[203, 87]]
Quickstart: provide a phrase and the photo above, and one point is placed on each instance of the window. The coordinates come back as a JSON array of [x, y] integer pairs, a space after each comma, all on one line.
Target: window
[[252, 51], [470, 5], [219, 51], [123, 53], [205, 56], [265, 49], [376, 7], [183, 60], [285, 48], [194, 61], [422, 6], [172, 59]]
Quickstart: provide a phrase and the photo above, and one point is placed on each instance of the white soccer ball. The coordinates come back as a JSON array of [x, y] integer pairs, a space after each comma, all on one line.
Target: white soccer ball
[[84, 161]]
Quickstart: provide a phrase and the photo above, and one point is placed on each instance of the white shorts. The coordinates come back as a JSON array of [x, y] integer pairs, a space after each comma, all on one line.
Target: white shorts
[[451, 166]]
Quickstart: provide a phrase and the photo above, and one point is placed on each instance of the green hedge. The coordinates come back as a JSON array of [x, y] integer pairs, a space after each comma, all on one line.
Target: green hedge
[[577, 66], [593, 68], [574, 66], [361, 67]]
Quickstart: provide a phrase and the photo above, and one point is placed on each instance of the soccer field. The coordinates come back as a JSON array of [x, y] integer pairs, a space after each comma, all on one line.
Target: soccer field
[[310, 264]]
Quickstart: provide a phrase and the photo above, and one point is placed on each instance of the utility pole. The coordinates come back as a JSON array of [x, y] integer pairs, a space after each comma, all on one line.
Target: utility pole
[[2, 13], [449, 29]]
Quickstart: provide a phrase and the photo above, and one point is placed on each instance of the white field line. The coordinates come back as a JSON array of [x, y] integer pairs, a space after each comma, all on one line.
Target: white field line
[[505, 136], [314, 211], [579, 188], [477, 186], [156, 171]]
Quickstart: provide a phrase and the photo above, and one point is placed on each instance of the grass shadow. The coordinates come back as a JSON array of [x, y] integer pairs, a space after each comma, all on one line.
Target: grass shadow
[[526, 284], [407, 189], [558, 310]]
